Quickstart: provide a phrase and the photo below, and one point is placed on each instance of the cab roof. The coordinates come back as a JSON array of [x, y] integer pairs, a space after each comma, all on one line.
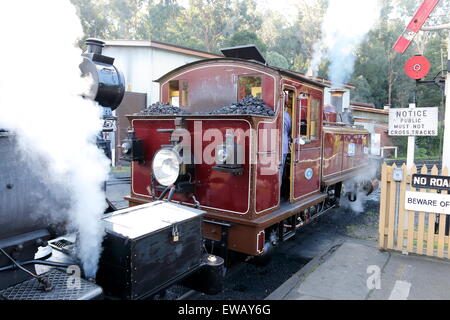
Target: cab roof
[[283, 72]]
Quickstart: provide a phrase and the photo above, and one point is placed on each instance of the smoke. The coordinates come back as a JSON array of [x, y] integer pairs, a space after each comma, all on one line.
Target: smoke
[[40, 102], [355, 186], [345, 25]]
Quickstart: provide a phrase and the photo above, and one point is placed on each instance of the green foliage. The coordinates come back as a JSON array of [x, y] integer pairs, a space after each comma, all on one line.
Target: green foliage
[[277, 60], [245, 37]]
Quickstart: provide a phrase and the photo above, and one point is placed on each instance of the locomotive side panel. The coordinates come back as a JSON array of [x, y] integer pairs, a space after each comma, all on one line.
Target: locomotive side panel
[[307, 173], [221, 190], [332, 153], [345, 150], [267, 191], [353, 155]]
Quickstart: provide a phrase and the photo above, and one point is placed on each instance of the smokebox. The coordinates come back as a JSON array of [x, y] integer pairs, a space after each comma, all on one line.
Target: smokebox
[[149, 247]]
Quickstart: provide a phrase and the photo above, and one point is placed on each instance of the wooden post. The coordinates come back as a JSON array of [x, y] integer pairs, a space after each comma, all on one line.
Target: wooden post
[[411, 222], [421, 231], [392, 196], [401, 211], [431, 222], [383, 208]]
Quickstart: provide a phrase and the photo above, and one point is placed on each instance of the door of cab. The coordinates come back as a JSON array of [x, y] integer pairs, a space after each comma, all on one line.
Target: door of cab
[[306, 160]]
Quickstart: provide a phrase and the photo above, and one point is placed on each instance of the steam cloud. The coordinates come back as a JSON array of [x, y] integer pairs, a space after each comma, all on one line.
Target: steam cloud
[[346, 24], [358, 206], [40, 102]]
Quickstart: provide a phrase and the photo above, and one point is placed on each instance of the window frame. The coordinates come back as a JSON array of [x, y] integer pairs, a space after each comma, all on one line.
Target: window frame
[[311, 98], [238, 84], [182, 93]]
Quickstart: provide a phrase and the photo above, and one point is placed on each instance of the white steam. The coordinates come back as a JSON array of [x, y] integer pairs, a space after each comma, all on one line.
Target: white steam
[[346, 24], [40, 101], [350, 186]]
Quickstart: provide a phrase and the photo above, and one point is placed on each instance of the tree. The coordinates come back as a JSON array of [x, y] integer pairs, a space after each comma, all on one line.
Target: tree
[[245, 37], [111, 19], [363, 91], [277, 60], [161, 22], [93, 20], [210, 21]]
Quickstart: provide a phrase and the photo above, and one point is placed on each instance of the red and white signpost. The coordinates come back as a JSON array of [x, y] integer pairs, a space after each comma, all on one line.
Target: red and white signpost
[[402, 45]]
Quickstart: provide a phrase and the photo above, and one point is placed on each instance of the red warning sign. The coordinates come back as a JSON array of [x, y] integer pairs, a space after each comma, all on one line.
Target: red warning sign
[[417, 67]]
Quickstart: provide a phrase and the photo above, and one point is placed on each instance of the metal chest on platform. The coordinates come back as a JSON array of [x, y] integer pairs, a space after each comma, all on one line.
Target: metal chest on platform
[[148, 247]]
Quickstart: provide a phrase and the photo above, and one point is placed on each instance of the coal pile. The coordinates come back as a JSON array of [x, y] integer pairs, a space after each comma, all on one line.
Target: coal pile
[[247, 106], [162, 109]]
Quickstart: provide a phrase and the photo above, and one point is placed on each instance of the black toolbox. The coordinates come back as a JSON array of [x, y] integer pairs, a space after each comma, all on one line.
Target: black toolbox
[[149, 247]]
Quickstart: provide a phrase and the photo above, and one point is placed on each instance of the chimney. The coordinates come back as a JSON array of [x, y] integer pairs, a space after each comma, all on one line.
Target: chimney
[[337, 100], [95, 46]]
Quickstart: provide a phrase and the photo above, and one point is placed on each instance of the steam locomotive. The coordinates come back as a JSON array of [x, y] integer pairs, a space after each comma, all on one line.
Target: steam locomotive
[[145, 249], [219, 172], [230, 164]]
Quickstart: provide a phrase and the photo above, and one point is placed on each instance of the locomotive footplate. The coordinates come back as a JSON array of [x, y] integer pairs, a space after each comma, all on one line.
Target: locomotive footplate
[[64, 288]]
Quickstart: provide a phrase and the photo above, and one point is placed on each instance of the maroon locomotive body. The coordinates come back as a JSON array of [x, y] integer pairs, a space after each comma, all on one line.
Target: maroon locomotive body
[[229, 164]]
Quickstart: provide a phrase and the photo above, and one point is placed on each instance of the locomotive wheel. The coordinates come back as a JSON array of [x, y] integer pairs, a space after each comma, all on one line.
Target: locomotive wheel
[[264, 259]]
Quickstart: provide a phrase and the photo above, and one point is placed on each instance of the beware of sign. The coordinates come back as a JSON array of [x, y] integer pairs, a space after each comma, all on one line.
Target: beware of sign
[[430, 182], [427, 202], [421, 122]]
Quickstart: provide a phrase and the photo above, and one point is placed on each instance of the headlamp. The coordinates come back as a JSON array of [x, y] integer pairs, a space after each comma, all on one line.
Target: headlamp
[[166, 167], [126, 147]]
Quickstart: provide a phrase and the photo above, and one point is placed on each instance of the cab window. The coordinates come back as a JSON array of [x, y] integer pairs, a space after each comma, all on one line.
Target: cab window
[[304, 102], [309, 117], [179, 93], [250, 86], [315, 120]]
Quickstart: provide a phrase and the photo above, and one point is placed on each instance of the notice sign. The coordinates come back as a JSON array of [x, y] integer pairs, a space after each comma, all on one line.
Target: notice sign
[[420, 122], [427, 202], [430, 182]]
